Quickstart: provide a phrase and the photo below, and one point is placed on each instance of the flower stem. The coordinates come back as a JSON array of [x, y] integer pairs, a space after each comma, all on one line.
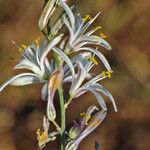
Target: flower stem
[[60, 91], [67, 103], [62, 108], [57, 126], [63, 125]]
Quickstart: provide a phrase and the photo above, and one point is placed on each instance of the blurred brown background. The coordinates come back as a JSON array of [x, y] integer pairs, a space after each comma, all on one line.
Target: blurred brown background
[[127, 26]]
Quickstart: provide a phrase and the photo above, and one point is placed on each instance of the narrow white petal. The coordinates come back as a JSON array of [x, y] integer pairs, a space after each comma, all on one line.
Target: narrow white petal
[[86, 26], [99, 99], [94, 80], [48, 49], [44, 92], [80, 78], [71, 31], [69, 12], [59, 23], [67, 60], [21, 79], [98, 54], [26, 64], [100, 88], [48, 67]]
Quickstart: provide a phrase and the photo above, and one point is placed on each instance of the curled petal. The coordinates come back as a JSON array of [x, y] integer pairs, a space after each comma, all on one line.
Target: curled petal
[[100, 88], [93, 39], [94, 80], [54, 82], [47, 49], [99, 98], [21, 79], [68, 12], [80, 78], [87, 116], [71, 31], [60, 21], [92, 125], [26, 64], [98, 54], [94, 122]]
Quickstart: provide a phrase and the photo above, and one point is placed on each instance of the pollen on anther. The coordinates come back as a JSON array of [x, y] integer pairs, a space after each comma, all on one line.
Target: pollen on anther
[[102, 35], [92, 59]]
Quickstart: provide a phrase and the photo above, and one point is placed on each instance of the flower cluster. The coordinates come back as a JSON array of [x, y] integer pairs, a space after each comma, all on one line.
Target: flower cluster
[[73, 58]]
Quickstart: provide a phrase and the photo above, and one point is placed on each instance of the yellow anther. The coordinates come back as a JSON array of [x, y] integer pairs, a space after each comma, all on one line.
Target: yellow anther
[[92, 59], [97, 28], [37, 42], [82, 114], [22, 47], [88, 117], [102, 35], [43, 136], [87, 17], [106, 74], [38, 132]]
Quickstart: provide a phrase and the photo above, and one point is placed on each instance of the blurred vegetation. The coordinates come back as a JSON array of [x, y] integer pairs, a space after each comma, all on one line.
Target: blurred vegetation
[[127, 26]]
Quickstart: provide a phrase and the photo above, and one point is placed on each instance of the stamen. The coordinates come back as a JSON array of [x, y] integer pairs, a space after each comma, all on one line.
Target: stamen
[[92, 59], [38, 132], [43, 136], [102, 35], [87, 17], [106, 74], [82, 114], [23, 46], [88, 117], [37, 42], [98, 27]]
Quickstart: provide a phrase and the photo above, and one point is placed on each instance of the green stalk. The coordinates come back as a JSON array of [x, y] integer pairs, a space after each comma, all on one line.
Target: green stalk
[[60, 90], [63, 117], [62, 108]]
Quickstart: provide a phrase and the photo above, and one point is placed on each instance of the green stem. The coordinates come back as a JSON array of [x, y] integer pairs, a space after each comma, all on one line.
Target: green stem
[[60, 90], [63, 117], [57, 126], [67, 103], [62, 108]]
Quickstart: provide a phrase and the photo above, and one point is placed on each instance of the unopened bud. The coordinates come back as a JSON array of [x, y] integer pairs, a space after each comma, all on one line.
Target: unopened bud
[[74, 132]]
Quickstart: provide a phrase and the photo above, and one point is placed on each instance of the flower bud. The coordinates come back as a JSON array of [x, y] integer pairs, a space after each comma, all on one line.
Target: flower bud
[[74, 132]]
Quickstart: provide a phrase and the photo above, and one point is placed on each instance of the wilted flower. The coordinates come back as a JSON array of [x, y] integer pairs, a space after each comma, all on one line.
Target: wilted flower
[[54, 82], [45, 137], [88, 123]]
